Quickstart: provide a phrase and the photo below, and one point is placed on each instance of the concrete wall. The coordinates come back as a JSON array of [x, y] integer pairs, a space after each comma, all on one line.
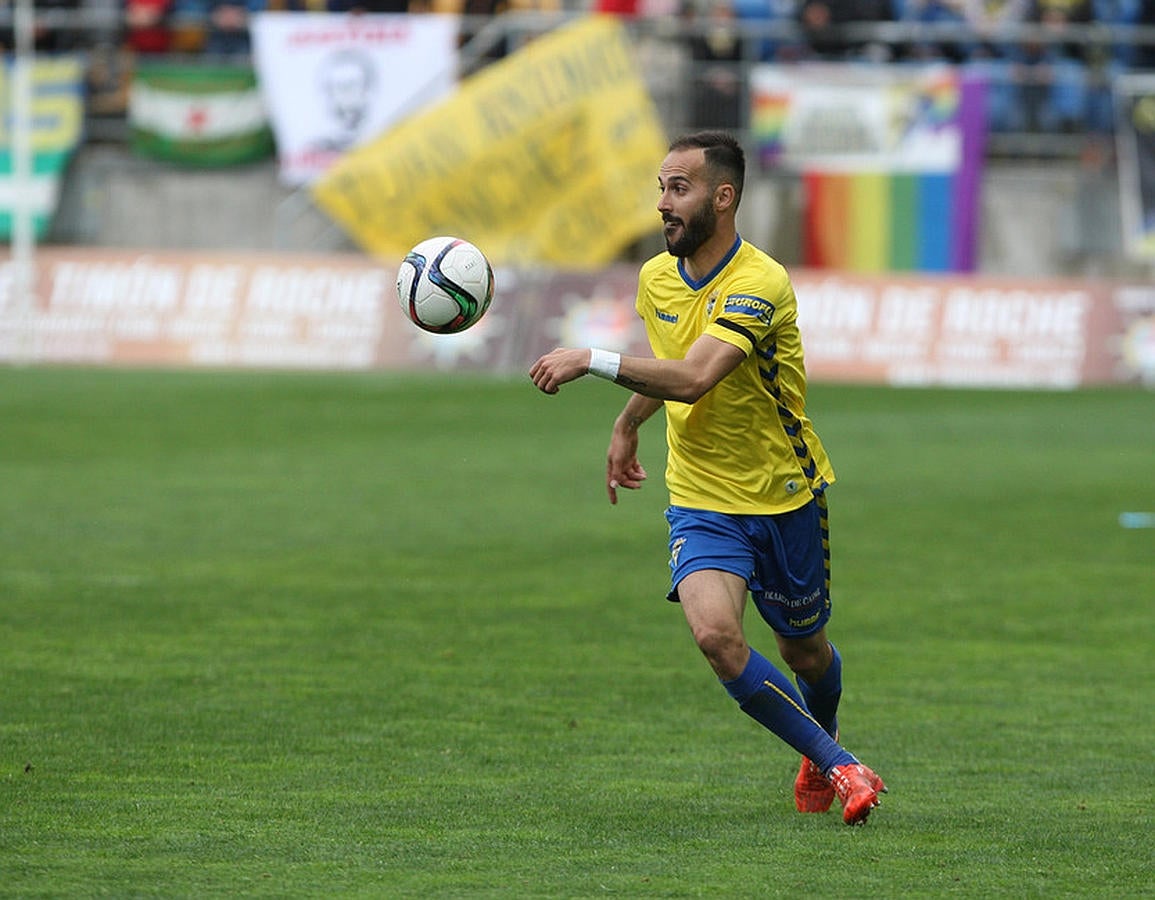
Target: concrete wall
[[1041, 219], [114, 199]]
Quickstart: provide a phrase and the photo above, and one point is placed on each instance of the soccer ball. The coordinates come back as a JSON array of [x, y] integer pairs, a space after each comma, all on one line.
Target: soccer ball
[[445, 285]]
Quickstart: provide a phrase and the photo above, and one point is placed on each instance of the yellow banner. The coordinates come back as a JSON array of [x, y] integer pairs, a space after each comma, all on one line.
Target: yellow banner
[[57, 104], [549, 156]]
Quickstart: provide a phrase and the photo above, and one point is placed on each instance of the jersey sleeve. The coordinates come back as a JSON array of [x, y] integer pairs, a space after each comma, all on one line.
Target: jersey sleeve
[[746, 316]]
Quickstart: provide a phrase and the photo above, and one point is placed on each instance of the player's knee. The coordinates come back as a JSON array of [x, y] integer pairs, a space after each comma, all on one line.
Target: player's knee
[[724, 649], [806, 661]]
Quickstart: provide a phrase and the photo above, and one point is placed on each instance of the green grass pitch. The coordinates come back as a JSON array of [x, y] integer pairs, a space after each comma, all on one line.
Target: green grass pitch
[[383, 636]]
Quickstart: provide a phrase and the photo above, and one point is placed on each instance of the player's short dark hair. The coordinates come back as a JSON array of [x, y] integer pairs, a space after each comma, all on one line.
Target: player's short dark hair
[[725, 158]]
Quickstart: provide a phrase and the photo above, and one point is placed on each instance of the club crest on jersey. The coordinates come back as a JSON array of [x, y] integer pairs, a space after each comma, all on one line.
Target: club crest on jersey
[[710, 301]]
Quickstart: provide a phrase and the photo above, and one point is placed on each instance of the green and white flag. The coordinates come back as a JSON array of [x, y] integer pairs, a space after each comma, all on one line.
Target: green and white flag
[[57, 114], [198, 115]]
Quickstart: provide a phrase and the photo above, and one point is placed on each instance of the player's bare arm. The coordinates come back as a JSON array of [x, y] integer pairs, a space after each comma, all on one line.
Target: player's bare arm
[[708, 361]]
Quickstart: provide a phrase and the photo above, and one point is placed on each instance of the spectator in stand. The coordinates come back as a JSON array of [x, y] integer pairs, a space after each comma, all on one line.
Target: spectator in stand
[[825, 21], [146, 26], [59, 38], [47, 38], [112, 62], [770, 47], [188, 21], [497, 46], [1111, 60], [1144, 54], [935, 13], [500, 44], [716, 51], [627, 8], [998, 59], [1056, 86], [373, 6], [228, 27]]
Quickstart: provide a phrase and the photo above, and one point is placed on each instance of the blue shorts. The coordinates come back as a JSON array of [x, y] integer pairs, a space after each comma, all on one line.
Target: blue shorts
[[784, 558]]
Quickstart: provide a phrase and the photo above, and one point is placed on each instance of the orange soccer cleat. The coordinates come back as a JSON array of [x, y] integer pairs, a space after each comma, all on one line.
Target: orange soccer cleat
[[813, 792], [858, 789]]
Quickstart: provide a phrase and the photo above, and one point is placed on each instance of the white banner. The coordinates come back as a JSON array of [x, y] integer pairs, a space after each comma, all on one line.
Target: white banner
[[332, 82], [857, 118]]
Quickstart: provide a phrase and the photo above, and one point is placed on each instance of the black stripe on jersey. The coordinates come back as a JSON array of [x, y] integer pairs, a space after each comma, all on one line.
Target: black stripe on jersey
[[738, 329], [791, 424], [824, 525]]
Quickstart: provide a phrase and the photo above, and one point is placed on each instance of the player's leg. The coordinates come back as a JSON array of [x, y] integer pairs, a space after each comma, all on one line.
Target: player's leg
[[710, 558], [817, 668], [712, 601], [818, 673], [791, 589]]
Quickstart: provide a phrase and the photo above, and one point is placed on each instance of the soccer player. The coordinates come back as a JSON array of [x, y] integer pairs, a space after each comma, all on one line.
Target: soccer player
[[746, 473]]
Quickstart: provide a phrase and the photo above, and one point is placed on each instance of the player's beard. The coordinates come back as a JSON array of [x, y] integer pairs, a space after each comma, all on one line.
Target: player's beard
[[695, 231]]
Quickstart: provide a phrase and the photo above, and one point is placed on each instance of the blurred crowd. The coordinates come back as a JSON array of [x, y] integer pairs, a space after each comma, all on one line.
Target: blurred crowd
[[1049, 63]]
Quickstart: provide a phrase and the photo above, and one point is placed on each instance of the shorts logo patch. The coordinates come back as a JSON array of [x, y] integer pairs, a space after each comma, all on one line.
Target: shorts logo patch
[[675, 549], [793, 603], [803, 623]]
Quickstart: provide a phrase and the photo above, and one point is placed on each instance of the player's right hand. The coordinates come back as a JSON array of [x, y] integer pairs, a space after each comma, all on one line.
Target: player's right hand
[[557, 367]]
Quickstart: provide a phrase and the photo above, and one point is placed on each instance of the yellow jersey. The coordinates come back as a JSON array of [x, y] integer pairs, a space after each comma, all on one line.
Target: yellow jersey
[[746, 447]]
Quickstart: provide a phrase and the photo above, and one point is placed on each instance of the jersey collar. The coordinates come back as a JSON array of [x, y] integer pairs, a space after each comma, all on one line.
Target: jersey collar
[[698, 285]]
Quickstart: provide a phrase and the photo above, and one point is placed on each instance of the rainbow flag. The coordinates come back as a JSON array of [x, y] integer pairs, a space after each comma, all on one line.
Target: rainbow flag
[[879, 197], [885, 223]]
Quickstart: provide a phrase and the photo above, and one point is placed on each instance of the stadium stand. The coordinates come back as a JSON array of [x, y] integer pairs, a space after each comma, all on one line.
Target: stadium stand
[[1050, 63]]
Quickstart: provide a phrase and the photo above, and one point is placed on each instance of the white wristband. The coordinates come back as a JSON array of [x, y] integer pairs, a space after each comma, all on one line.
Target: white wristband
[[605, 364]]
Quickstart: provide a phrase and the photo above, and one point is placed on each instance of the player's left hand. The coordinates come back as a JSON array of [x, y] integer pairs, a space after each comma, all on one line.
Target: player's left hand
[[557, 367], [630, 477]]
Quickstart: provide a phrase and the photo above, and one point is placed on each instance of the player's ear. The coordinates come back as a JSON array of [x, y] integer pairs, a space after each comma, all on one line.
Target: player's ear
[[723, 197]]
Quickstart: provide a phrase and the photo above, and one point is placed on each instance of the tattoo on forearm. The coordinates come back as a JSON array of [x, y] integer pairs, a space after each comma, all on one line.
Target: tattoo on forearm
[[633, 423], [625, 381]]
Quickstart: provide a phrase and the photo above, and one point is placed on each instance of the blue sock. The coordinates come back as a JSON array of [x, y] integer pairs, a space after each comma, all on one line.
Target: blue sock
[[822, 698], [768, 697]]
